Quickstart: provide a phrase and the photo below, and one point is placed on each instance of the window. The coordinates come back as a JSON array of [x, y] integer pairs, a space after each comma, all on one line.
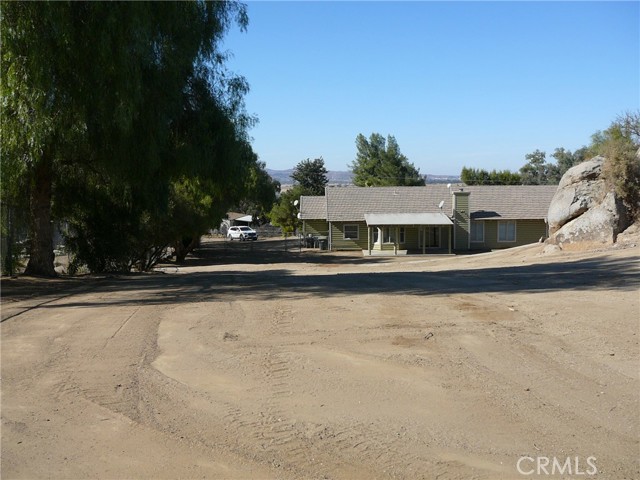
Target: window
[[389, 235], [477, 231], [351, 232], [429, 237], [507, 231]]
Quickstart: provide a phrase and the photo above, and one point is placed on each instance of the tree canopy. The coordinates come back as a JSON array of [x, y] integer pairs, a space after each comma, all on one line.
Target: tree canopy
[[379, 162], [120, 114], [260, 193], [311, 175], [620, 146], [539, 171], [284, 213], [473, 176]]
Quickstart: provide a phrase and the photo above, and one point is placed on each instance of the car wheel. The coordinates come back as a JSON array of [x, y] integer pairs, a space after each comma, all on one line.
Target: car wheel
[[230, 238]]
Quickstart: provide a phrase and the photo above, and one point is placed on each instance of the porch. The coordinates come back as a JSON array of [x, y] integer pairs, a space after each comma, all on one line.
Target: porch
[[408, 233]]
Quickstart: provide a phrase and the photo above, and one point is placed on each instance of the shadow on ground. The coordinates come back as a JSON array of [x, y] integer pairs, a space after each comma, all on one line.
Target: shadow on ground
[[266, 252], [592, 274]]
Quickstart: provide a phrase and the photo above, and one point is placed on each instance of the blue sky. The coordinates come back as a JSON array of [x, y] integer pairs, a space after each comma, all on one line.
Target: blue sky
[[477, 84]]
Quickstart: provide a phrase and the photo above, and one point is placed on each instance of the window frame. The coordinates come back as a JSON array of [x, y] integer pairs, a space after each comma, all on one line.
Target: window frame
[[389, 234], [506, 223], [477, 223], [351, 225]]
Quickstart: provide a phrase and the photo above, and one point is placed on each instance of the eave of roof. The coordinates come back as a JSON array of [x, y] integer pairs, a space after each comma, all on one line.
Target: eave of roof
[[383, 219]]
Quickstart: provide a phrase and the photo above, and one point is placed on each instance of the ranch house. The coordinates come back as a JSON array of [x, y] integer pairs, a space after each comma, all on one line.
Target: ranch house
[[431, 219]]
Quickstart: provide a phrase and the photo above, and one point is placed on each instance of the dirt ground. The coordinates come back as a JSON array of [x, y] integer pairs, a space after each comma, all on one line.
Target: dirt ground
[[252, 362]]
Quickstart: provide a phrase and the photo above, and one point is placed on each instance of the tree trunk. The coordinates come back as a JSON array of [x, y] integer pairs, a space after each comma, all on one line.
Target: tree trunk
[[185, 246], [41, 256]]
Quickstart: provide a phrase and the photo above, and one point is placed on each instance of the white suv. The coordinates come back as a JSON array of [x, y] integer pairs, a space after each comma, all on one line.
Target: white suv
[[242, 233]]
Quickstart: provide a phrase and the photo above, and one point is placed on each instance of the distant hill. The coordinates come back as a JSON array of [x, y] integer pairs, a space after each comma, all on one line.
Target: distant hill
[[442, 178], [283, 176], [337, 177]]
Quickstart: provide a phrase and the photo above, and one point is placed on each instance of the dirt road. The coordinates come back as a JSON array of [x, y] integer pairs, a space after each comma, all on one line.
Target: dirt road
[[249, 362]]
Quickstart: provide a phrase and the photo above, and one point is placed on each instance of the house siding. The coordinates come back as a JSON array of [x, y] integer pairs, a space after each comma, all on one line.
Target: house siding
[[527, 231], [461, 220], [411, 238], [338, 242], [315, 227]]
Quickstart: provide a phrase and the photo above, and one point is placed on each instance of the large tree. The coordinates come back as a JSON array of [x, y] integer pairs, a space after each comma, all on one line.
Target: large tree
[[260, 193], [379, 162], [106, 89], [311, 175], [537, 171], [284, 214], [565, 159]]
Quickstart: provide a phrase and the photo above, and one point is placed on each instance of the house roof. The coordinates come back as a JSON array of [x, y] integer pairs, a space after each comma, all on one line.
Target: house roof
[[511, 202], [486, 202], [352, 203], [407, 219], [313, 207]]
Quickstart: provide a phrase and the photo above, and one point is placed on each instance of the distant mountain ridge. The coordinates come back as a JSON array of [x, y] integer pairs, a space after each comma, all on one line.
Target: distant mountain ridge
[[338, 177]]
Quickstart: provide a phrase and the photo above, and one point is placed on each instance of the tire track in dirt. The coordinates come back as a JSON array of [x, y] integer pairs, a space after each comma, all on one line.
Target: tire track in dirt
[[276, 434], [536, 383], [110, 377], [302, 446]]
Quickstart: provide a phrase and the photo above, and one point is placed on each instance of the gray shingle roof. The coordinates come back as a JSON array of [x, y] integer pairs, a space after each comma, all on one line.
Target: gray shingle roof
[[313, 207], [352, 203], [512, 202], [486, 202]]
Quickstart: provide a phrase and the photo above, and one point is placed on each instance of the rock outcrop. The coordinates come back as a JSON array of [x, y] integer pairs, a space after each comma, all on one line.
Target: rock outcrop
[[583, 209]]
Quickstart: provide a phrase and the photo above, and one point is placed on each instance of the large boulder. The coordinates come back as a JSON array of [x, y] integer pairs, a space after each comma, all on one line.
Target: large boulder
[[583, 209], [579, 189]]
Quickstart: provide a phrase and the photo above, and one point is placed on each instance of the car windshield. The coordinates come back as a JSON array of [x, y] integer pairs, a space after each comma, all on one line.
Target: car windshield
[[245, 229]]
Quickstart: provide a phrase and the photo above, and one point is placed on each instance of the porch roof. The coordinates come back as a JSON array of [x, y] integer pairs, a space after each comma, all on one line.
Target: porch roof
[[407, 219]]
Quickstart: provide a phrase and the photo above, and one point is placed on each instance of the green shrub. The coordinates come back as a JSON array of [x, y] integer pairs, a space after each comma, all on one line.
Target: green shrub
[[621, 171]]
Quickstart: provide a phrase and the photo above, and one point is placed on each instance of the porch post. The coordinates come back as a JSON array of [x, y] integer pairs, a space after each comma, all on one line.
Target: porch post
[[424, 239], [395, 242], [369, 239]]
